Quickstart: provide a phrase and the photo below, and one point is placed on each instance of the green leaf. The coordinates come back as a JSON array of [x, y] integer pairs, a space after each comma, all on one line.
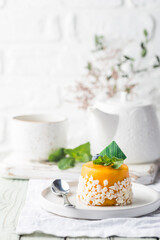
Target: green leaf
[[106, 161], [144, 50], [158, 58], [124, 76], [98, 39], [80, 150], [108, 77], [99, 42], [113, 150], [156, 65], [67, 157], [128, 58], [99, 161], [66, 163], [56, 155], [117, 165], [103, 160], [70, 152], [111, 155], [145, 33], [89, 66], [83, 157], [85, 148]]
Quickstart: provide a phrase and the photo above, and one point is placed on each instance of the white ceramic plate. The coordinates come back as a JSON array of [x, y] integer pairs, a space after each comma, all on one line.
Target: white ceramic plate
[[145, 200]]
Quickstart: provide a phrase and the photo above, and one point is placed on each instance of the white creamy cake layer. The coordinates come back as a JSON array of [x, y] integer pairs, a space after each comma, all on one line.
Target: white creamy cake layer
[[92, 193]]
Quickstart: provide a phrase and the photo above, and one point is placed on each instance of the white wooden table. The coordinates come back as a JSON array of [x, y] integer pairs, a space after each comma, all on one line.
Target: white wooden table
[[12, 197]]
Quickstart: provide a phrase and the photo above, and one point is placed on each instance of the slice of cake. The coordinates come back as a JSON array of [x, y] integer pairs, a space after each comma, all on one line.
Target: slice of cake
[[105, 180]]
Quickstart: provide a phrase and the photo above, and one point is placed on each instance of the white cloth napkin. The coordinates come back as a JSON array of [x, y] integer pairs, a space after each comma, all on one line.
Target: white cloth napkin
[[33, 219]]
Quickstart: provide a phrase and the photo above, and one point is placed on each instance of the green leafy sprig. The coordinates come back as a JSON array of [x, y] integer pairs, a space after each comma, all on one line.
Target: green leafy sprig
[[157, 64], [99, 42], [144, 44], [106, 161], [111, 155], [67, 157], [103, 76]]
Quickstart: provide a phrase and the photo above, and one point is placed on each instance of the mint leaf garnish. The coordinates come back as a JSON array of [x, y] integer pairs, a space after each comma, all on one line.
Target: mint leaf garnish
[[80, 153], [106, 161], [117, 164], [67, 157], [66, 163], [56, 155], [111, 155], [113, 150]]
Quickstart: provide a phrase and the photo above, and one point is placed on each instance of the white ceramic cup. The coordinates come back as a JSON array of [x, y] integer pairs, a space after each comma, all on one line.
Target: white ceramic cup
[[34, 137]]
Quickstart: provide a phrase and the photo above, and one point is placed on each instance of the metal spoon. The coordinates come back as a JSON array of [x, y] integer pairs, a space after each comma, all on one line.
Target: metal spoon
[[61, 188]]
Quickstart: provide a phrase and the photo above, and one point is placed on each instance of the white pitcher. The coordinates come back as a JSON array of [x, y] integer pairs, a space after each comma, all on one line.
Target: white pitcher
[[133, 125]]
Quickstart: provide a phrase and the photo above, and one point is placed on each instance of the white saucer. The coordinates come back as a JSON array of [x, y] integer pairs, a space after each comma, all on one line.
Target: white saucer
[[145, 200]]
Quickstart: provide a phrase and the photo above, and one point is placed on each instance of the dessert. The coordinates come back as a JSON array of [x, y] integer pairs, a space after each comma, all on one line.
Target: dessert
[[105, 181]]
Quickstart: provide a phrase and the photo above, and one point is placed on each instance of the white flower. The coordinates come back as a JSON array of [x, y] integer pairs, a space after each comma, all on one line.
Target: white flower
[[105, 182]]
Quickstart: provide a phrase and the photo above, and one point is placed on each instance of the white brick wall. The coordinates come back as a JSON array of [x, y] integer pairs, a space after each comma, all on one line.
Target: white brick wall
[[45, 44]]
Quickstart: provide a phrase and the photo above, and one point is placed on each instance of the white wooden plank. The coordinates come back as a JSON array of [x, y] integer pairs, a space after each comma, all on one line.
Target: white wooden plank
[[86, 238], [12, 196], [125, 238], [39, 236], [8, 236]]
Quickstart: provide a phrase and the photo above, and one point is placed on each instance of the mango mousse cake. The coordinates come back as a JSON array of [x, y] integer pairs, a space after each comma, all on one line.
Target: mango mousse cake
[[105, 181]]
